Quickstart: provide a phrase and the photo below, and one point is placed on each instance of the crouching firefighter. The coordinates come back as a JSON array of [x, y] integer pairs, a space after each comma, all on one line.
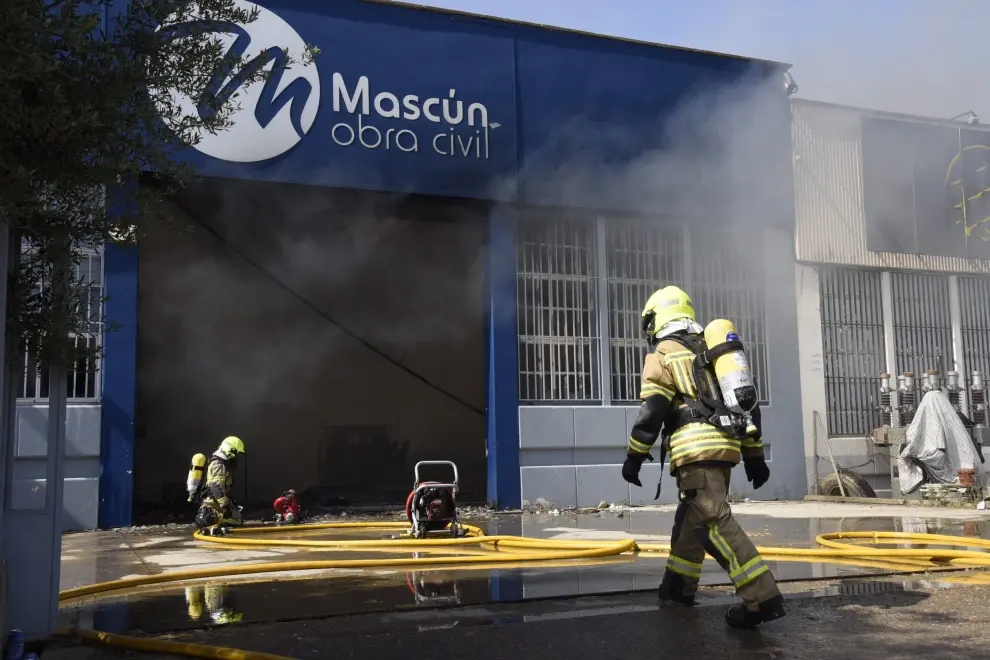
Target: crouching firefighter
[[216, 509], [698, 390]]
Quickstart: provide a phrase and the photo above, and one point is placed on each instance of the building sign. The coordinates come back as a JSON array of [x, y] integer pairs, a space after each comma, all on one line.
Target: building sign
[[414, 100], [357, 115], [464, 131], [926, 188], [271, 117]]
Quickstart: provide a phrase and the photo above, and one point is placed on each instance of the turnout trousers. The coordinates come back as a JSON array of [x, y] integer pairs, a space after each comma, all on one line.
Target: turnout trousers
[[704, 523]]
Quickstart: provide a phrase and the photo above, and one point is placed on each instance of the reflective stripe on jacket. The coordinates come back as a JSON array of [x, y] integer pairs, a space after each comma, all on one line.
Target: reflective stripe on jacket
[[668, 375], [218, 481]]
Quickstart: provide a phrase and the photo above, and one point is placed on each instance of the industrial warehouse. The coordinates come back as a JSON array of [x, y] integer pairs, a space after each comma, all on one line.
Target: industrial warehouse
[[893, 290], [440, 246]]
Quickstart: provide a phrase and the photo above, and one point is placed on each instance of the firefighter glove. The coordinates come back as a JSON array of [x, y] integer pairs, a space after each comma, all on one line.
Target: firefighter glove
[[757, 471], [630, 468]]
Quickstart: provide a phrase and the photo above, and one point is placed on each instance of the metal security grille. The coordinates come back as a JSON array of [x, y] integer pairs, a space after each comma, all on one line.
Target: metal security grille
[[727, 282], [641, 257], [974, 299], [558, 317], [83, 379], [852, 340], [922, 322]]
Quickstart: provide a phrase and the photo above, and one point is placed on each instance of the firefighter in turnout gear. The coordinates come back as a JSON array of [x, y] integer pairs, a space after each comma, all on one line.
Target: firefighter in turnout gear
[[706, 430], [217, 511]]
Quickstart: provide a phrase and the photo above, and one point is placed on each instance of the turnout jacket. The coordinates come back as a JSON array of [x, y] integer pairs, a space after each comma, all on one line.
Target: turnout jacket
[[668, 377], [218, 481]]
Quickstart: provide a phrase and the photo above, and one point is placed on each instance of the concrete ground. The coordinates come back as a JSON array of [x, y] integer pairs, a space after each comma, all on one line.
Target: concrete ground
[[586, 611], [912, 622], [91, 557]]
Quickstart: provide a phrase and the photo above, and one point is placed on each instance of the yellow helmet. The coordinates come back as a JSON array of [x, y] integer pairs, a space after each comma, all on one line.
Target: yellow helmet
[[232, 446], [665, 305]]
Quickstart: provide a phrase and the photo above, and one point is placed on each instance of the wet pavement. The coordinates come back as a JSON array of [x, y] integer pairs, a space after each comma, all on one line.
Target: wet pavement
[[94, 557], [889, 619]]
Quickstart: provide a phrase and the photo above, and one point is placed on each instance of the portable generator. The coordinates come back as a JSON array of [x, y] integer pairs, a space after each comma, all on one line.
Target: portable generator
[[432, 505]]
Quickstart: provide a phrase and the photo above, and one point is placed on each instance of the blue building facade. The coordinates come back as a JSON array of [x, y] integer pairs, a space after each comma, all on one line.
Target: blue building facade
[[602, 168]]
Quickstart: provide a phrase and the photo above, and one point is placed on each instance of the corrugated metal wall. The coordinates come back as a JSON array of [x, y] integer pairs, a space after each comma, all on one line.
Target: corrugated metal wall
[[852, 338], [828, 189]]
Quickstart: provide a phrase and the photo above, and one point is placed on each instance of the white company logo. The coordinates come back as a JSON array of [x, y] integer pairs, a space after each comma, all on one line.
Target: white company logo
[[460, 128], [271, 116]]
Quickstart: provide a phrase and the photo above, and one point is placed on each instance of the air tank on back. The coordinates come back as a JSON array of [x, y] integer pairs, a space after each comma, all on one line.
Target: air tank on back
[[195, 476], [735, 378]]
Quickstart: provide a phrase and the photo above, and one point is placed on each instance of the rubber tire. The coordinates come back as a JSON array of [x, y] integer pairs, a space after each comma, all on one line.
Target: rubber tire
[[854, 485], [409, 501]]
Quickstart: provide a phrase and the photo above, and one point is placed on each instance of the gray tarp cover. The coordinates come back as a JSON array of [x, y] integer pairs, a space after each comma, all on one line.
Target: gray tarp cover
[[937, 439]]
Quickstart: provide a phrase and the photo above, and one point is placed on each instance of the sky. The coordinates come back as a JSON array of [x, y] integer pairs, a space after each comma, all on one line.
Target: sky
[[912, 56]]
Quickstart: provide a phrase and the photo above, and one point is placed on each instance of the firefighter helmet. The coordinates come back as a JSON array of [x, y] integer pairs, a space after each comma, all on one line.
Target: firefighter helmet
[[665, 305]]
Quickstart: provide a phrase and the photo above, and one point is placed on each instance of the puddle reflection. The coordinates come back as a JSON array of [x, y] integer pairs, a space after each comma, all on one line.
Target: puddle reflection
[[284, 598]]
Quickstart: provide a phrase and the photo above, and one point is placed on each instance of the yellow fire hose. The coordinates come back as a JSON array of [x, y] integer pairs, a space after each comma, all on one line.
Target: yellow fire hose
[[513, 551]]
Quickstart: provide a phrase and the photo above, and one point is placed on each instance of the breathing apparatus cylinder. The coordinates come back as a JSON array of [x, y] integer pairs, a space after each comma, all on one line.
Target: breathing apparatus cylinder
[[195, 477], [735, 379]]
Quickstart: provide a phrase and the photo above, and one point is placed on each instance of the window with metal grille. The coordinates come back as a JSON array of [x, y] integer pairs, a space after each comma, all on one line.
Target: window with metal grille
[[922, 322], [974, 301], [83, 378], [728, 282], [853, 348], [558, 310], [642, 257]]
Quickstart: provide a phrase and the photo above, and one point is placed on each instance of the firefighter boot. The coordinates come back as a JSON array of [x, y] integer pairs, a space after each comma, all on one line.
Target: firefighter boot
[[672, 588], [739, 617]]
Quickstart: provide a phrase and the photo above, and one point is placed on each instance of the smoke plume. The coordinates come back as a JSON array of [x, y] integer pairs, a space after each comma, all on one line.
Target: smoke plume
[[911, 56]]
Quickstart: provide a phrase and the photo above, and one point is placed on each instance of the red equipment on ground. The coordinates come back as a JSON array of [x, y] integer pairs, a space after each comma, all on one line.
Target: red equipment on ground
[[432, 506], [287, 509]]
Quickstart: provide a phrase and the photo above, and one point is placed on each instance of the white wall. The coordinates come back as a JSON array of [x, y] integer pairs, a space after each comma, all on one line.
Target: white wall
[[81, 493]]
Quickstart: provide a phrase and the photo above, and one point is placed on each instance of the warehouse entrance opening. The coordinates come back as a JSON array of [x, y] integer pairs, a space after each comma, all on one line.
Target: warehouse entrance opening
[[338, 333]]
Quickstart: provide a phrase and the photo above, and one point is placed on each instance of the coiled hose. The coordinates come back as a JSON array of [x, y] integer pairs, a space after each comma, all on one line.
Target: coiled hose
[[476, 550]]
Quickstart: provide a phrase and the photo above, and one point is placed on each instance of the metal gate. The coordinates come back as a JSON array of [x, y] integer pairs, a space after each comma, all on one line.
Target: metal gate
[[727, 282], [566, 265], [853, 348], [974, 301], [642, 257], [84, 376], [558, 311], [922, 322]]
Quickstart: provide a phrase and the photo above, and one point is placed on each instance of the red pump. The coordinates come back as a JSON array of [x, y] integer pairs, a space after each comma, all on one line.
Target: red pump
[[287, 509], [432, 506]]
